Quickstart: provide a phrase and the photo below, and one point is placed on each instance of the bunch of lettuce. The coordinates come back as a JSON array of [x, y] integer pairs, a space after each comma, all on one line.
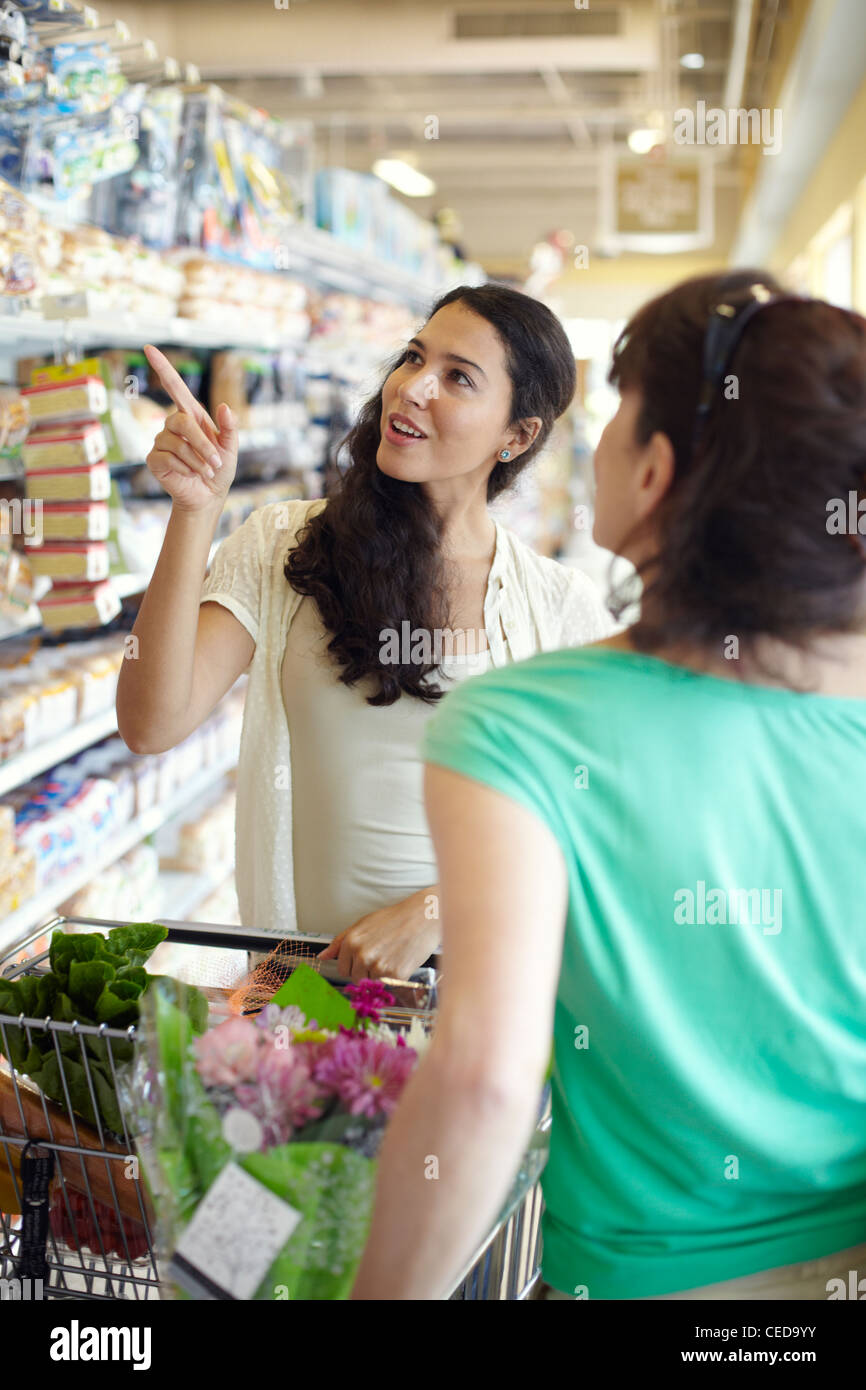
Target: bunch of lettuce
[[93, 979]]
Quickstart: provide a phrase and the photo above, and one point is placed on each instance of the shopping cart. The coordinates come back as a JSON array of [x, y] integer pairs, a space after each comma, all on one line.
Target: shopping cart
[[100, 1236]]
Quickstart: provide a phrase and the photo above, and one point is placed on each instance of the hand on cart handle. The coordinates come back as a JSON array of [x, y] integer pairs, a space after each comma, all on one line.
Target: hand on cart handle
[[192, 458]]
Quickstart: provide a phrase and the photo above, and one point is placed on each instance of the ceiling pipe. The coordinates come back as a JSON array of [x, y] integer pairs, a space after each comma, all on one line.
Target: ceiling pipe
[[736, 79]]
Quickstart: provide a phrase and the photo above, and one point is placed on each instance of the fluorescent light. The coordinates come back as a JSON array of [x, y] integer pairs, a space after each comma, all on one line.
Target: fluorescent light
[[692, 60], [643, 140], [404, 178]]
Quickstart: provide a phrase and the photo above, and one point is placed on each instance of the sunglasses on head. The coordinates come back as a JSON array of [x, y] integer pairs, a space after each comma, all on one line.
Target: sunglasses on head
[[728, 322]]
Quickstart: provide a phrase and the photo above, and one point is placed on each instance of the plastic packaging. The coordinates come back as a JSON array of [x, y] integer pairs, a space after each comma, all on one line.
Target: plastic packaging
[[90, 482], [66, 400], [79, 605], [54, 446], [87, 521]]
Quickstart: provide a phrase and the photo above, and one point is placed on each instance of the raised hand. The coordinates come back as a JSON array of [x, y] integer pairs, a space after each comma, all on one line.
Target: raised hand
[[193, 459]]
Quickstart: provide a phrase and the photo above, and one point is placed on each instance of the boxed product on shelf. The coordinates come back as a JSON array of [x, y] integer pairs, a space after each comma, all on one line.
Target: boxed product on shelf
[[85, 561], [360, 210], [72, 521], [14, 423], [125, 891], [17, 880], [66, 817], [52, 446], [66, 400], [343, 199], [113, 274], [97, 665], [63, 824], [42, 693], [79, 605], [7, 832], [273, 303], [19, 266], [87, 482], [17, 587], [206, 843]]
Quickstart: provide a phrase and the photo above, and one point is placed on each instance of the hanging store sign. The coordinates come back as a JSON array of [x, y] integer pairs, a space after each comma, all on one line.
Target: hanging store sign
[[656, 204]]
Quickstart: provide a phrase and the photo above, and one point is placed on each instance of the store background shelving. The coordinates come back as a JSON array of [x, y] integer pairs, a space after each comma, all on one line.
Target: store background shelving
[[45, 903], [66, 326]]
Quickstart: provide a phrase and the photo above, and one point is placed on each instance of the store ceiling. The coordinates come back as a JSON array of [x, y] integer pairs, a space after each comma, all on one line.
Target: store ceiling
[[526, 96]]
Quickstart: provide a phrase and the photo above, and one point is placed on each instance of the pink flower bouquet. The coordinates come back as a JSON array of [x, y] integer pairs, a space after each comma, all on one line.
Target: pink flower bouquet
[[299, 1104]]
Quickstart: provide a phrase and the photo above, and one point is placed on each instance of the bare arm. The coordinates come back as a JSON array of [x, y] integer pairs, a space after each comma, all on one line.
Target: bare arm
[[473, 1100], [187, 655]]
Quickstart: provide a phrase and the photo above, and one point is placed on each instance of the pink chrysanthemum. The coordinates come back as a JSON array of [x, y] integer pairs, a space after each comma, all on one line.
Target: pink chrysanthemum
[[368, 998], [367, 1074]]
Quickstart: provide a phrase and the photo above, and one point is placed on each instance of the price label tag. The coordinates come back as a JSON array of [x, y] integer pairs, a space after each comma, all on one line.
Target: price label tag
[[233, 1238], [65, 306]]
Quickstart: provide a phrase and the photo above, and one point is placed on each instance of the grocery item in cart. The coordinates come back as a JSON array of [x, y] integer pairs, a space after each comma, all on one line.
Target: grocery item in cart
[[88, 482], [23, 1106], [94, 979], [66, 400], [281, 1117], [64, 446]]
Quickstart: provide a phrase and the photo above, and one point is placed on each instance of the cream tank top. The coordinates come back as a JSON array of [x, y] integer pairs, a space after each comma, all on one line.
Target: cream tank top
[[359, 831]]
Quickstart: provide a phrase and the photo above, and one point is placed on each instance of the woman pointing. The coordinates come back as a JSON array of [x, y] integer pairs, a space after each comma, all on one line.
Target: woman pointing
[[355, 616]]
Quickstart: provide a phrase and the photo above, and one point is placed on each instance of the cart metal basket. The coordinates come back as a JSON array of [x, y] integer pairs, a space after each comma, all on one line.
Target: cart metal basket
[[100, 1238]]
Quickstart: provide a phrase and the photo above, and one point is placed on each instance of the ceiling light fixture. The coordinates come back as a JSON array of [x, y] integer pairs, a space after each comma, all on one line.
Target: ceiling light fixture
[[404, 178], [641, 141], [692, 60]]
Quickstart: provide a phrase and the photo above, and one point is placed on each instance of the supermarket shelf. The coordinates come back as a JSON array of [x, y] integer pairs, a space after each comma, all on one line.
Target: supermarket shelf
[[26, 765], [125, 585], [31, 913], [317, 253], [182, 892], [29, 332]]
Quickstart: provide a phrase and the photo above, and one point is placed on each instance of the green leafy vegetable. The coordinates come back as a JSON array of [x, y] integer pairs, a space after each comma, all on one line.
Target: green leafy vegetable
[[94, 979]]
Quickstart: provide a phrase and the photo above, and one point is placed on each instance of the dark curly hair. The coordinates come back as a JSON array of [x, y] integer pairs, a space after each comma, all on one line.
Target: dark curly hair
[[372, 557], [743, 545]]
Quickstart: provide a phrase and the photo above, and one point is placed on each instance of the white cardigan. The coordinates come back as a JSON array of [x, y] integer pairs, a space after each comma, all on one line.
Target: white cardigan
[[539, 605]]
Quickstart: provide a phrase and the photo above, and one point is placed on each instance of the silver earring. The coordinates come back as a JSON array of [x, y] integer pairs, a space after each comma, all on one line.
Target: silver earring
[[506, 454]]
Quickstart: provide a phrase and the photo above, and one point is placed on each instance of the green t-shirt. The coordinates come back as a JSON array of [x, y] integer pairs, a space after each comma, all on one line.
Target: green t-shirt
[[709, 1082]]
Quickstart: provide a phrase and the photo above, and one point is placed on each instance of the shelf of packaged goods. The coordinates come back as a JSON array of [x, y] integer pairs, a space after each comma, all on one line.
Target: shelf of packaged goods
[[125, 586], [26, 765], [31, 913]]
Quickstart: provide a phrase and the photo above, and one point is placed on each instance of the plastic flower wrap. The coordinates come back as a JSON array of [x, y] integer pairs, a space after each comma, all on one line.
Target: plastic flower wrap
[[262, 1136]]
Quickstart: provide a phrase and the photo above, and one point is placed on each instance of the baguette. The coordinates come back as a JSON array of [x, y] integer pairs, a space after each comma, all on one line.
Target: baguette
[[43, 1119]]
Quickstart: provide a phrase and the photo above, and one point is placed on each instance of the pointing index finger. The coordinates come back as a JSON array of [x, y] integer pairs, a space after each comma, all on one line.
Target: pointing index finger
[[178, 390]]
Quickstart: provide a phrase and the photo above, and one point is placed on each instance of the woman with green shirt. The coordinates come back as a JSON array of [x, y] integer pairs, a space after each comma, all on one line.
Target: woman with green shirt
[[652, 851]]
